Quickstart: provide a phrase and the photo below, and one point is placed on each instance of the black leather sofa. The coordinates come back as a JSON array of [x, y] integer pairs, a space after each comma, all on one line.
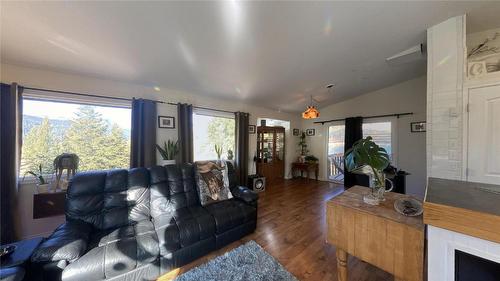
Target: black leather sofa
[[140, 223]]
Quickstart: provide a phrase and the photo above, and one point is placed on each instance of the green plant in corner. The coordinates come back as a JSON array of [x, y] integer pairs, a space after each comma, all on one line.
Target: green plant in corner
[[311, 158], [302, 144], [169, 149], [218, 151], [367, 157], [230, 154], [38, 175]]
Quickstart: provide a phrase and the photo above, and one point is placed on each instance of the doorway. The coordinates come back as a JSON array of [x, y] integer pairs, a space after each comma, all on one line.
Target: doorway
[[335, 150]]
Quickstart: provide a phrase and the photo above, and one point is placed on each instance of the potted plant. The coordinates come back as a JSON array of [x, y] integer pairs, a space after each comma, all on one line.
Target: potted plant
[[218, 151], [311, 159], [168, 152], [366, 157], [230, 154], [303, 147], [42, 185]]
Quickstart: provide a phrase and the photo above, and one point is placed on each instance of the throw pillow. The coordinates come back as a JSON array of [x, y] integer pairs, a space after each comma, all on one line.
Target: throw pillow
[[212, 181]]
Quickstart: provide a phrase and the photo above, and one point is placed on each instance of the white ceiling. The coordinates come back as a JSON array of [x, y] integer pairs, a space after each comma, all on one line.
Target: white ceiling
[[273, 54]]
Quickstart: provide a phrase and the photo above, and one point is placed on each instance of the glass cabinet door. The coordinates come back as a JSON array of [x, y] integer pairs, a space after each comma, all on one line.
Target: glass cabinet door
[[280, 144]]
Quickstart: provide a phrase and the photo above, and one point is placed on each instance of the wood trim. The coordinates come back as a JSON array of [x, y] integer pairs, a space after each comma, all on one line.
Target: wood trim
[[481, 225]]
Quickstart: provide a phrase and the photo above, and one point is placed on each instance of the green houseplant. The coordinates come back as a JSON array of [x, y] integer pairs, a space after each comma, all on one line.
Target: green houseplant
[[311, 159], [366, 157], [302, 144], [218, 151], [168, 152], [42, 184], [230, 154]]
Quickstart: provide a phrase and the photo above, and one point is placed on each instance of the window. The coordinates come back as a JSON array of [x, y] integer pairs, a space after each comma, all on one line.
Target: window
[[381, 132], [99, 135], [212, 128]]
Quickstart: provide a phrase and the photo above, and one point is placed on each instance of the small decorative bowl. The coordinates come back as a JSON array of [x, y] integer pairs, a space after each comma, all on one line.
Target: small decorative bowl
[[408, 207], [6, 250]]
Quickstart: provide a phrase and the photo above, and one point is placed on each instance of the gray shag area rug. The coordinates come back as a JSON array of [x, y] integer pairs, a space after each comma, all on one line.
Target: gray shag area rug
[[248, 262]]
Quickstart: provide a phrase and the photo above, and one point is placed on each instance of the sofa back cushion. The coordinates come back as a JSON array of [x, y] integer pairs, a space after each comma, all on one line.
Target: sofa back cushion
[[109, 199], [172, 188]]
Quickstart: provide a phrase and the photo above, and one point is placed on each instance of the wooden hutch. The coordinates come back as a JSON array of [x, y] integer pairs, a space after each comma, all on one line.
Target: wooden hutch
[[271, 152]]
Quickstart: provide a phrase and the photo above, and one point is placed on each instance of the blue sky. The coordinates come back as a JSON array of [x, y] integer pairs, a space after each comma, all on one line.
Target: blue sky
[[66, 111]]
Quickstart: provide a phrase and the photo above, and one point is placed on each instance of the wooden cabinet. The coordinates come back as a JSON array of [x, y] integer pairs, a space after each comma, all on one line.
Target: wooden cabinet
[[271, 153], [48, 204], [375, 234]]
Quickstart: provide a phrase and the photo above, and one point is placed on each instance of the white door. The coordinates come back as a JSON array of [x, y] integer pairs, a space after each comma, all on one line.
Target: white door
[[484, 135], [335, 162]]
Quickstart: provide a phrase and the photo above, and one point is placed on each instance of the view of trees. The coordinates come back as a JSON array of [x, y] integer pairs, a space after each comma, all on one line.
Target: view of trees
[[221, 132], [209, 131], [98, 144]]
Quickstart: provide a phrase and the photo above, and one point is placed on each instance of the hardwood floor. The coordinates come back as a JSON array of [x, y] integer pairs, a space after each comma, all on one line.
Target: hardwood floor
[[292, 228]]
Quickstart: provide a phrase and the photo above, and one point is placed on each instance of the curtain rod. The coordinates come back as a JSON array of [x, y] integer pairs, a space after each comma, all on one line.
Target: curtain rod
[[367, 117], [114, 98]]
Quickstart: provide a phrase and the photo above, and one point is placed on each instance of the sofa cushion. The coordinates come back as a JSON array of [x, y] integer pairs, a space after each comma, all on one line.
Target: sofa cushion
[[183, 227], [172, 188], [231, 213], [212, 181], [109, 199], [116, 252]]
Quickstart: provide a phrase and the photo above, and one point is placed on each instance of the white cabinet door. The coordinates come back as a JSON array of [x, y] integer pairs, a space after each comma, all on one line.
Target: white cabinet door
[[484, 135]]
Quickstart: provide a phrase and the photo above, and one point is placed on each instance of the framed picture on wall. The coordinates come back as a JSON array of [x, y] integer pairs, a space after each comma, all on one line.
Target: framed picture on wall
[[418, 127], [251, 129], [310, 132], [296, 132], [166, 122]]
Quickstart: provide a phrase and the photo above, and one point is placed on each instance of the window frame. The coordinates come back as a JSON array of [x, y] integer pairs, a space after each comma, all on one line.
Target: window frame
[[394, 135], [44, 96]]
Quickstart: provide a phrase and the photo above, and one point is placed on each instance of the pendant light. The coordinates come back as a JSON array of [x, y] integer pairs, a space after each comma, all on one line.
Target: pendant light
[[311, 112]]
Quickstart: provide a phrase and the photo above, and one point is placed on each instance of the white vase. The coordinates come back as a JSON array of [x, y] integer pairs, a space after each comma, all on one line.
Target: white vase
[[167, 162], [43, 188]]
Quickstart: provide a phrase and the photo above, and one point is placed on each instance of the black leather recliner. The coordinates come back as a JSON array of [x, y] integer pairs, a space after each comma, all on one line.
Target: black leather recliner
[[140, 223]]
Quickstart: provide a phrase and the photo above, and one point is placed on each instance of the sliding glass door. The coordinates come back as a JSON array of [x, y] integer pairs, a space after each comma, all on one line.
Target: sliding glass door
[[335, 150]]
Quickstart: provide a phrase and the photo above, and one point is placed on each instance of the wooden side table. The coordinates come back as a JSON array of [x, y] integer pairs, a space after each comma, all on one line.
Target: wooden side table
[[375, 234], [305, 167]]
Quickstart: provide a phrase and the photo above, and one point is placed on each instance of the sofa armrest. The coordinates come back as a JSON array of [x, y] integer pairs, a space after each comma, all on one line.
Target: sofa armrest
[[67, 243], [245, 194]]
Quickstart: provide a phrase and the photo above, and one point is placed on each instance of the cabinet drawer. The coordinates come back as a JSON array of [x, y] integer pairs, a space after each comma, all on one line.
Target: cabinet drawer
[[48, 204]]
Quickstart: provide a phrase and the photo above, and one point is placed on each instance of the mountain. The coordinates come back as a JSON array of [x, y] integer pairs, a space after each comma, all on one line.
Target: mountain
[[59, 126]]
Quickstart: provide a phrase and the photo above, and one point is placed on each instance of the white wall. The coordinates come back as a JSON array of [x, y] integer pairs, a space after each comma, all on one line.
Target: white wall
[[409, 96], [76, 83]]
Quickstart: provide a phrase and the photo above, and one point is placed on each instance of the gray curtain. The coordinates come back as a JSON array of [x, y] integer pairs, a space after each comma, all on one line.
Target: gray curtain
[[143, 134], [10, 151], [353, 133], [241, 153], [185, 131]]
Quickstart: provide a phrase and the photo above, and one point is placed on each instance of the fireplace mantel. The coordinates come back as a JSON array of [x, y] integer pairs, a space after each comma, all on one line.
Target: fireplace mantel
[[465, 207], [461, 216]]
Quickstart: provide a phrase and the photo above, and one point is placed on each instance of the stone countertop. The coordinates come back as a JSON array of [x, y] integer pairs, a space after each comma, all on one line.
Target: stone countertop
[[479, 197]]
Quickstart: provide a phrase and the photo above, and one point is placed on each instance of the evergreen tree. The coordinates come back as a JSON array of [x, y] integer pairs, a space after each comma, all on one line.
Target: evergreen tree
[[98, 144], [87, 138], [38, 148], [221, 132], [117, 148]]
